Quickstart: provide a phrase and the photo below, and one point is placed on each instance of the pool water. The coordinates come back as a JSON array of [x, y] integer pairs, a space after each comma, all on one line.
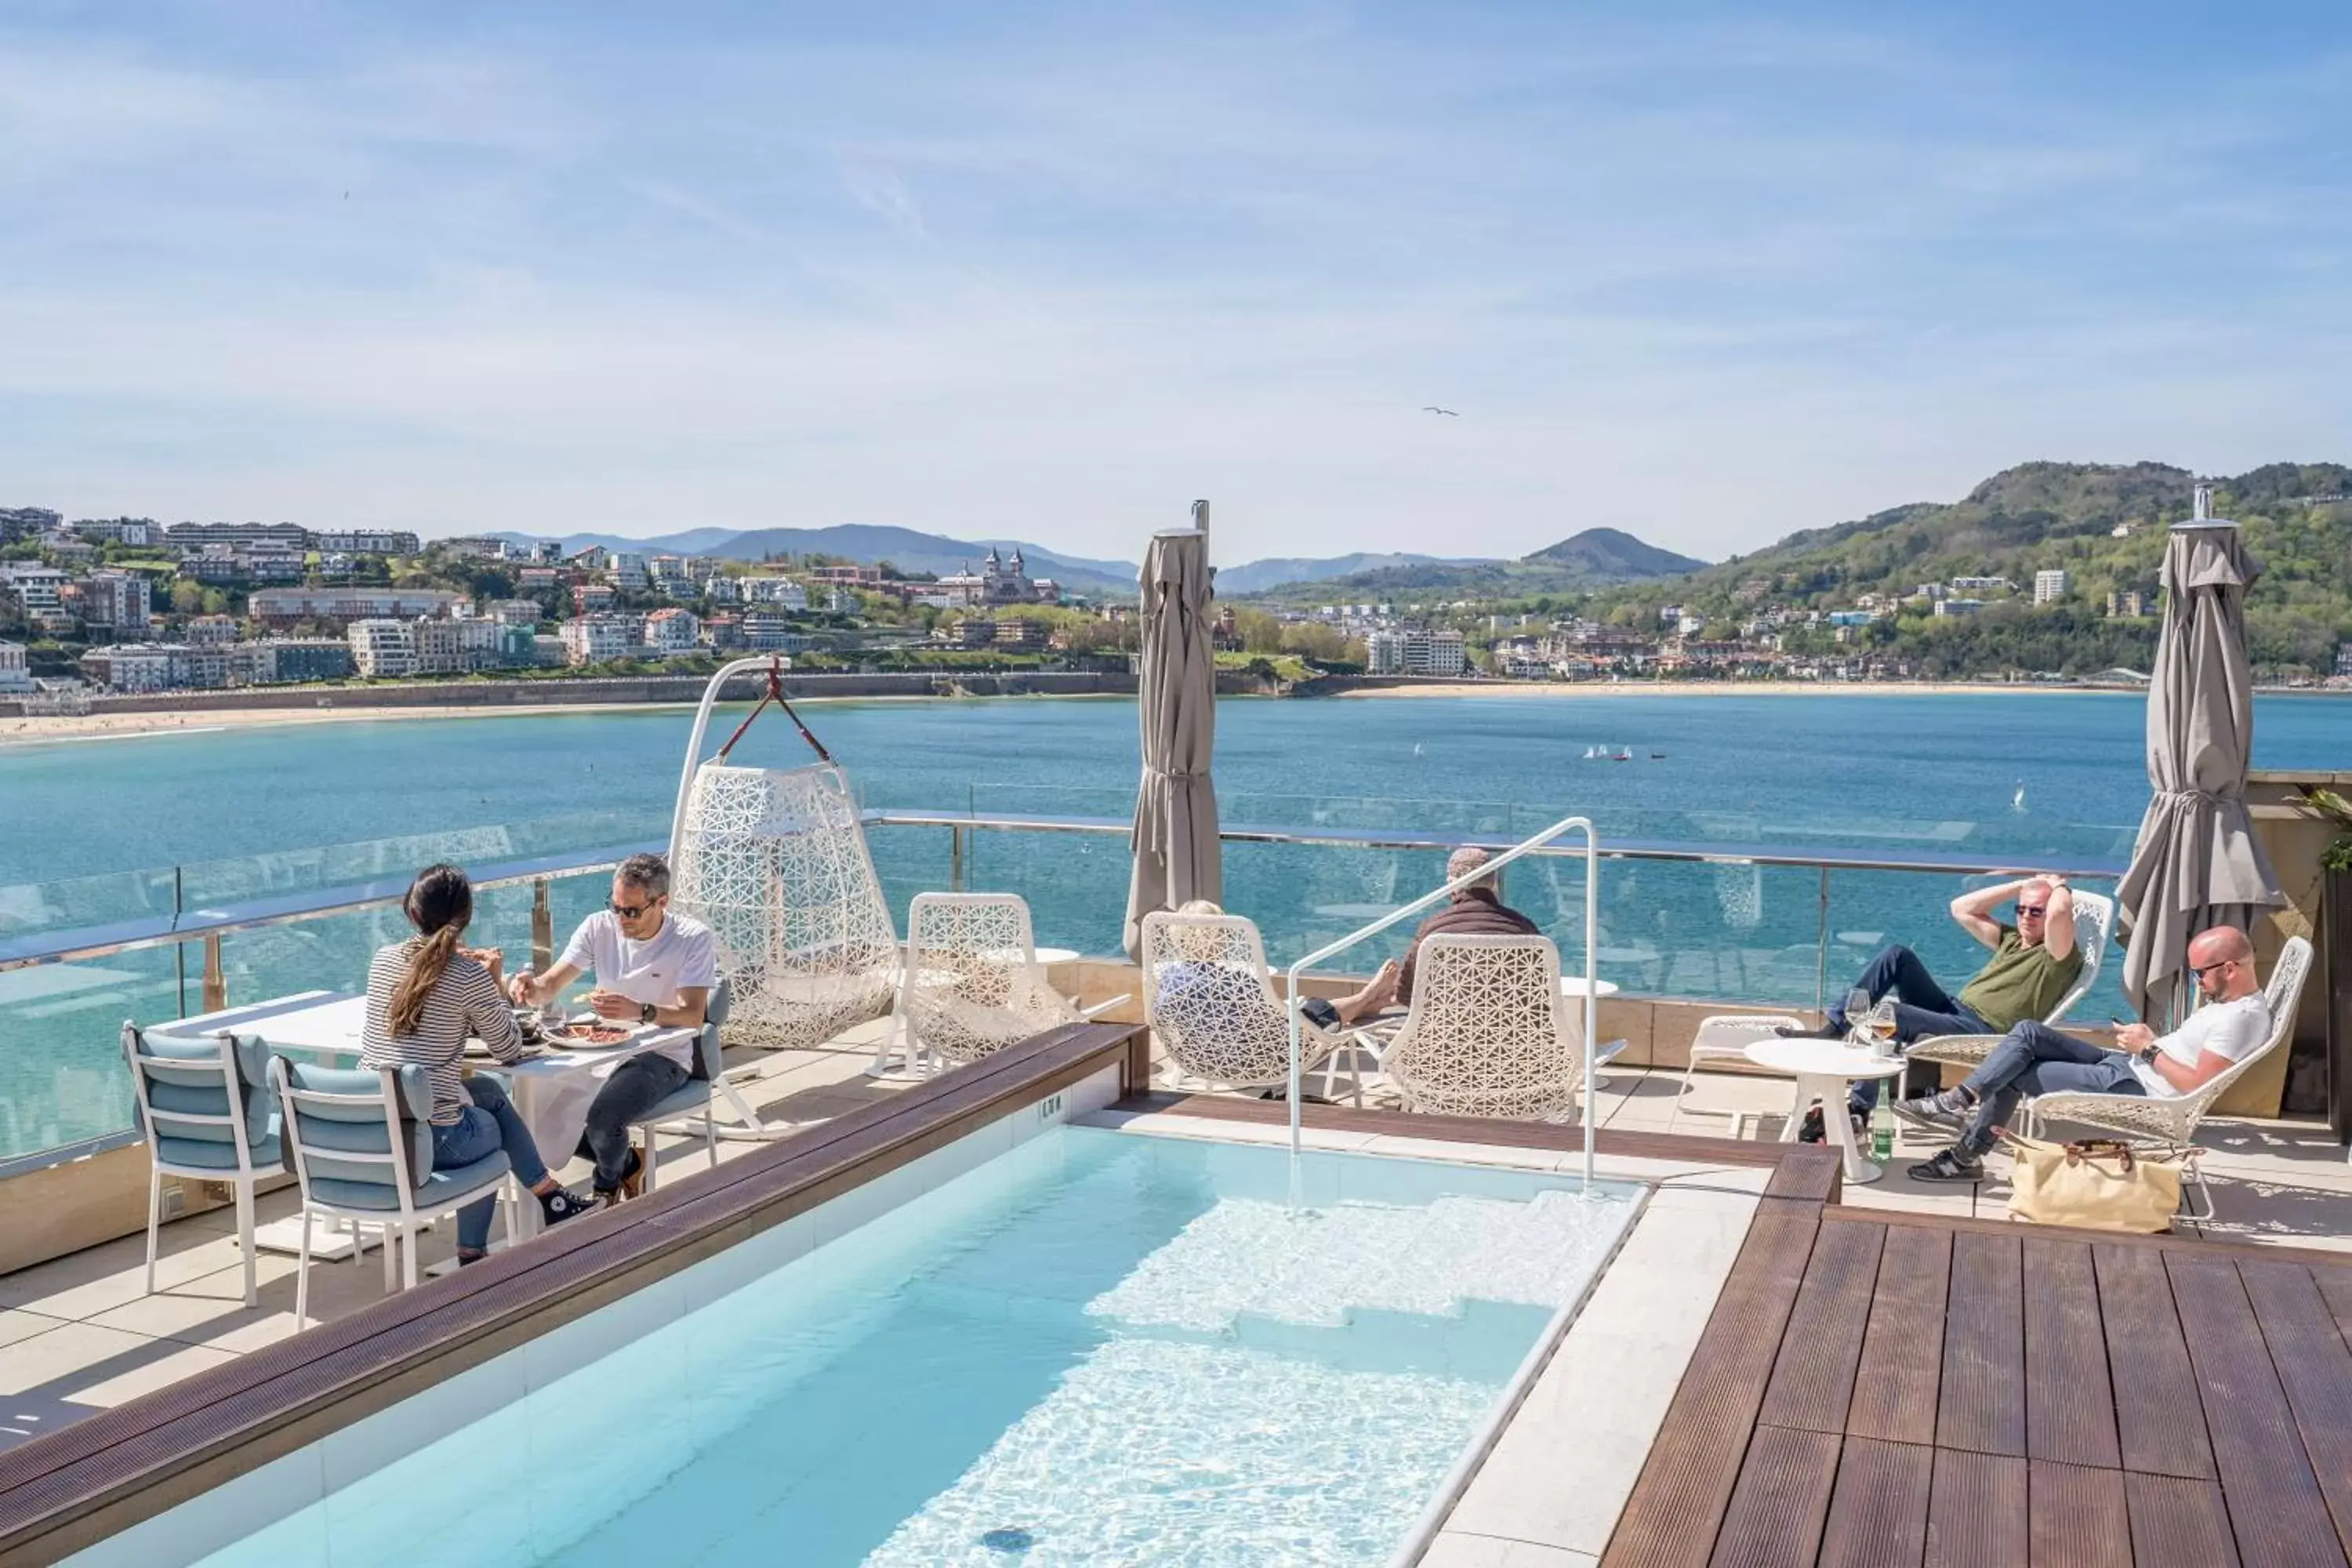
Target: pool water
[[1100, 1348]]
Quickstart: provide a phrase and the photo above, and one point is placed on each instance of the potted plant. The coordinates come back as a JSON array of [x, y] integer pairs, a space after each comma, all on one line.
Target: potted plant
[[2335, 932]]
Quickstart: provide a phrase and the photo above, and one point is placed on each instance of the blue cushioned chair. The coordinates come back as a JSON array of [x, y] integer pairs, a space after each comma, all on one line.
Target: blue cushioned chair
[[361, 1141], [694, 1094], [206, 1110]]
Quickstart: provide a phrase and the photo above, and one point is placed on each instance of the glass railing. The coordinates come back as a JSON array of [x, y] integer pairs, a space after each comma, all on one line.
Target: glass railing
[[1679, 916]]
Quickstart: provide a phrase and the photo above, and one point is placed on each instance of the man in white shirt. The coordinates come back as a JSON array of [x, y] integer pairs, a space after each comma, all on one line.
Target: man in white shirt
[[2033, 1059], [651, 967]]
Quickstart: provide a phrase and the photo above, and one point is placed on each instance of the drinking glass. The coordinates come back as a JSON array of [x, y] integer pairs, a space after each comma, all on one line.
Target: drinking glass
[[1857, 1009]]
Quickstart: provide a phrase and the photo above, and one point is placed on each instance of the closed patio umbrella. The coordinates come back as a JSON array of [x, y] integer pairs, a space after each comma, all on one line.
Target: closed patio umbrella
[[1175, 837], [2197, 863]]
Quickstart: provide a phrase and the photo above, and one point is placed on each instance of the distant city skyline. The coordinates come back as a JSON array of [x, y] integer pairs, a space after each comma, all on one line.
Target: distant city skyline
[[1049, 275]]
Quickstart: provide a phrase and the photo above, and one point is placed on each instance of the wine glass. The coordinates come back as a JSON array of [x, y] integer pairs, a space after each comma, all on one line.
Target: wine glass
[[1857, 1009]]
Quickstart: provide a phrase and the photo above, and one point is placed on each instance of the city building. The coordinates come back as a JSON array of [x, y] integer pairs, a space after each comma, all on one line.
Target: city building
[[538, 579], [514, 612], [1020, 633], [285, 605], [720, 590], [480, 546], [1850, 617], [1980, 584], [382, 646], [34, 587], [722, 630], [2050, 586], [2128, 602], [132, 531], [1958, 606], [593, 639], [209, 631], [768, 632], [28, 522], [2343, 658], [307, 658], [1416, 650], [589, 599], [283, 538], [117, 604], [853, 576], [16, 675], [629, 571], [367, 542], [672, 632], [779, 591], [998, 582]]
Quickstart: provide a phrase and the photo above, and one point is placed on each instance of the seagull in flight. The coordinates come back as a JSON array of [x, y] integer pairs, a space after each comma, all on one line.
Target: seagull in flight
[[1433, 408]]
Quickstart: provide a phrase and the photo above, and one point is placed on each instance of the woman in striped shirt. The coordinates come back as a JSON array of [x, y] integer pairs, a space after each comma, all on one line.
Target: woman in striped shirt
[[426, 995]]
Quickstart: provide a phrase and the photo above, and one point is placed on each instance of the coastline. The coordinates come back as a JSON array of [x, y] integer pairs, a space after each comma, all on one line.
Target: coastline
[[1569, 689]]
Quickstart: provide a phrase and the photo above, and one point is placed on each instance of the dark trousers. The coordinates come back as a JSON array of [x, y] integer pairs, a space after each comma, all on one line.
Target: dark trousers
[[2035, 1059], [1923, 1009], [636, 1086]]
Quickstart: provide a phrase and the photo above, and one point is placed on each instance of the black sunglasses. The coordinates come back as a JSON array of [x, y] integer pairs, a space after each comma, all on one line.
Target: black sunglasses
[[2025, 909], [629, 911], [2201, 969]]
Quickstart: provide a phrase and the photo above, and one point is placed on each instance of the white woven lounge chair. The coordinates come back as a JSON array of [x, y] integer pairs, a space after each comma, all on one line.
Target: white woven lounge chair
[[971, 985], [1488, 1033], [1211, 1003], [2095, 916], [2170, 1122]]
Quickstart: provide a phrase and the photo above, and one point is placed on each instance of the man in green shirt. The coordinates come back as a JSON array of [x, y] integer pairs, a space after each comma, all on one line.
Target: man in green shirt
[[2033, 963]]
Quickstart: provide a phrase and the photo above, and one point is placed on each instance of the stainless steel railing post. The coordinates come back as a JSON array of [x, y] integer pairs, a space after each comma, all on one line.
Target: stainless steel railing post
[[955, 849]]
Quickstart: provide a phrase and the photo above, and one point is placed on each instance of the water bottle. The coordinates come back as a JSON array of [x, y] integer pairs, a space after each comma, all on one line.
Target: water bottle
[[1881, 1125]]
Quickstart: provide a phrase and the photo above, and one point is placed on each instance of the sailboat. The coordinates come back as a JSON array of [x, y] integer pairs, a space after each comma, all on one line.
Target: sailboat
[[1623, 755], [1590, 752], [2017, 801]]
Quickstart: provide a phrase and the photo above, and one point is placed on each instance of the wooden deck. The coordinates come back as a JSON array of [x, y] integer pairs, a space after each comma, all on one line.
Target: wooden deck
[[1881, 1390]]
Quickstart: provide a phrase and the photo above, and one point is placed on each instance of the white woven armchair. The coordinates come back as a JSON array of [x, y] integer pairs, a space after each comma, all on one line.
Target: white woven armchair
[[1488, 1033], [2170, 1121], [1211, 1003], [971, 985], [2095, 918]]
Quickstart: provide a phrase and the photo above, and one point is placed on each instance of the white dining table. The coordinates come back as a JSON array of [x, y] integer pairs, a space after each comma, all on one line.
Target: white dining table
[[1822, 1069], [552, 1089]]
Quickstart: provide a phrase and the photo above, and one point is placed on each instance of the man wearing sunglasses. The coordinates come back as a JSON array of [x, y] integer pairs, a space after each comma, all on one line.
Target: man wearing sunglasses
[[651, 967], [2033, 963], [2232, 1022]]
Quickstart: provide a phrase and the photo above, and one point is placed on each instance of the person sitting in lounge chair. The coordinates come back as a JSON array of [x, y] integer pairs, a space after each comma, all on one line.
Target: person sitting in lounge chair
[[1475, 911], [2234, 1019], [1199, 971], [2033, 963]]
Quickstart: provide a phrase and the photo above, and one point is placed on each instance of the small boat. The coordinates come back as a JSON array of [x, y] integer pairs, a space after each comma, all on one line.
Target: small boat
[[1590, 752], [1657, 756], [1623, 756], [2017, 801]]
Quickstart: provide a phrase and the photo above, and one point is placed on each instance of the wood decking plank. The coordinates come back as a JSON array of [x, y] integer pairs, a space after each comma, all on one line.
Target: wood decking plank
[[1976, 1511], [2076, 1517], [2161, 1420], [1677, 1503], [2316, 1368], [1813, 1382], [2177, 1524], [1878, 1510], [1981, 1407], [1774, 1518], [1903, 1349], [2276, 1510], [2070, 1409], [2336, 1286]]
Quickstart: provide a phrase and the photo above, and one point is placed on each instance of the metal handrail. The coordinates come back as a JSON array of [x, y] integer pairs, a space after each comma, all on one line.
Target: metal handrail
[[162, 931], [1592, 853]]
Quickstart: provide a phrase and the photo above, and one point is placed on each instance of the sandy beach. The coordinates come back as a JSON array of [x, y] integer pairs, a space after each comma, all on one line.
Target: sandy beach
[[1569, 689], [199, 722]]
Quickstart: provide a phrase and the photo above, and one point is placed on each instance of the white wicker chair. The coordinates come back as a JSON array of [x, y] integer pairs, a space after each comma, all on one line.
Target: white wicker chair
[[1488, 1033], [2170, 1122], [2095, 916], [1725, 1037], [1212, 1005], [971, 985]]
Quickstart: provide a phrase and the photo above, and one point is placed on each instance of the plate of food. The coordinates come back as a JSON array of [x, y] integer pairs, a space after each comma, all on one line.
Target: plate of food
[[590, 1031]]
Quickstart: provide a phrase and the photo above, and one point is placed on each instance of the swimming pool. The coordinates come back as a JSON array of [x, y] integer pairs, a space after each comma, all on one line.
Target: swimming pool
[[1099, 1347]]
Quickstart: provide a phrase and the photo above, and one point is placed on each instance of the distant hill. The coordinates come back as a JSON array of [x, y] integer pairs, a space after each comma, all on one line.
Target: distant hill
[[1257, 576], [2105, 524], [1596, 558]]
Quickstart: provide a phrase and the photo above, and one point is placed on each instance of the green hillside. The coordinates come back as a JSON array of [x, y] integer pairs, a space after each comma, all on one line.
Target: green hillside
[[2297, 523], [1593, 559]]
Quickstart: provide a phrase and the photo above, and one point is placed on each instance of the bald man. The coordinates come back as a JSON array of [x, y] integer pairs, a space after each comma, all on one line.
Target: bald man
[[2033, 1059]]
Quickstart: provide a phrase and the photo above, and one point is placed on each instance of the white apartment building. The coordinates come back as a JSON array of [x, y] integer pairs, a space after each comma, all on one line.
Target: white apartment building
[[210, 631], [1980, 584], [37, 588], [367, 542], [137, 531], [720, 590], [2050, 586], [629, 571], [514, 612], [15, 676], [1417, 650], [779, 591], [591, 639], [334, 604], [117, 600], [452, 647], [771, 633], [673, 631], [384, 647]]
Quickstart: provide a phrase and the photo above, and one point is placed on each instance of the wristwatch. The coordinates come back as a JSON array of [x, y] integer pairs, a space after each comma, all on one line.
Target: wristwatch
[[2148, 1053], [645, 1013]]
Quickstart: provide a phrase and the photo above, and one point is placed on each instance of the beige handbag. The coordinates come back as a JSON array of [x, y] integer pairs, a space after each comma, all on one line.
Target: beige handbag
[[2098, 1183]]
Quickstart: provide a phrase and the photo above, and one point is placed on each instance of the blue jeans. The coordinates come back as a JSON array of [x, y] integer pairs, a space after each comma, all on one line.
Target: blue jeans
[[1923, 1008], [487, 1124], [2034, 1058]]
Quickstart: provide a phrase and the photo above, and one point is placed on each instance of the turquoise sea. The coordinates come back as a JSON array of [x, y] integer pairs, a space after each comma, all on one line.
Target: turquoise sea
[[93, 831]]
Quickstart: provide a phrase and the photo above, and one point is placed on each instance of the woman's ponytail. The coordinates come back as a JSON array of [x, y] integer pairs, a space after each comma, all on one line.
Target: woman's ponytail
[[439, 904]]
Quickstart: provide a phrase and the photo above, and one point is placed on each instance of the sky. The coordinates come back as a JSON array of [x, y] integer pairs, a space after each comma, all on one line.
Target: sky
[[1709, 273]]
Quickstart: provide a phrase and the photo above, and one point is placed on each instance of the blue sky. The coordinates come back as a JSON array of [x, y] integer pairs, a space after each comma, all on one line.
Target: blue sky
[[1709, 273]]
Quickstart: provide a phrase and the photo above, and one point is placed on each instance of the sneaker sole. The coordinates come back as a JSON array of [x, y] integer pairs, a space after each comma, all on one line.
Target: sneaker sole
[[1949, 1127], [1923, 1173]]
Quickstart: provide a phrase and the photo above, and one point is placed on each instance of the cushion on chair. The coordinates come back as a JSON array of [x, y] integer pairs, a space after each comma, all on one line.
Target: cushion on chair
[[196, 1088], [359, 1127], [688, 1099], [213, 1154], [440, 1189]]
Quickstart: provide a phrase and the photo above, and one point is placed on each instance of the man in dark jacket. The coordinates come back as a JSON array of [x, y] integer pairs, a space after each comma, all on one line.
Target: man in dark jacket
[[1475, 911]]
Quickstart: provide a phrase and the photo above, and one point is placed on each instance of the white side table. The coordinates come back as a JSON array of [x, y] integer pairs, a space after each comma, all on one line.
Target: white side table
[[1823, 1068]]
